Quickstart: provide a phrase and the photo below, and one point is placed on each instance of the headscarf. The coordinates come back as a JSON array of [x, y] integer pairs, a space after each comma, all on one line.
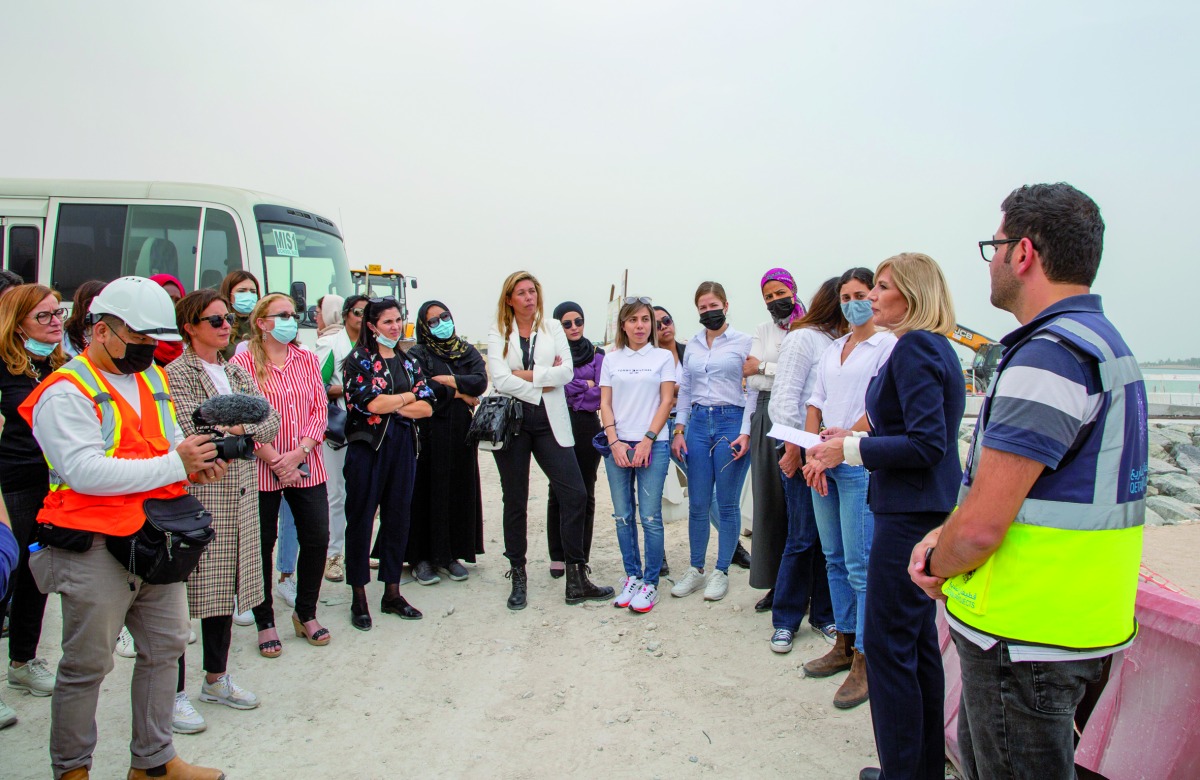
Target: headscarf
[[331, 313], [783, 277], [583, 351], [450, 349], [168, 350]]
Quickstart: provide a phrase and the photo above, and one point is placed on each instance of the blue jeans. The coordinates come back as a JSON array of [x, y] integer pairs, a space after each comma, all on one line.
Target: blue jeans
[[714, 516], [1017, 718], [289, 545], [846, 527], [802, 574], [647, 502], [711, 431]]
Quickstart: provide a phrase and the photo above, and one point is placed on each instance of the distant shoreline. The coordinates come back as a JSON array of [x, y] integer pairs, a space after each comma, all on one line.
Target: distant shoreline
[[1184, 366]]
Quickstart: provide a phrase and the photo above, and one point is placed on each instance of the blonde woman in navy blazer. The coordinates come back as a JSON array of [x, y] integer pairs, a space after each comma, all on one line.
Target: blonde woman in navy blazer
[[529, 359], [914, 406]]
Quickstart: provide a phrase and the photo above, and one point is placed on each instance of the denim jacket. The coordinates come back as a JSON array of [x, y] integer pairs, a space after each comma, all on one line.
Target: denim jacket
[[366, 376]]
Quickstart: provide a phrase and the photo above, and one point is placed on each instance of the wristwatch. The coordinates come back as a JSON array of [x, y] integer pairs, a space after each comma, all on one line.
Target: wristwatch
[[929, 561], [651, 435], [307, 450], [678, 432]]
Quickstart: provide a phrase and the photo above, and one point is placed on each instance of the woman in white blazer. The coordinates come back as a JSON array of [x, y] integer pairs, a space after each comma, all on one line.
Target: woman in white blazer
[[529, 359]]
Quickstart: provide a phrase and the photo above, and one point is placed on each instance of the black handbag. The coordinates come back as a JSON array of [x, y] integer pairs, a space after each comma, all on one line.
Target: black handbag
[[335, 429], [169, 544], [496, 423]]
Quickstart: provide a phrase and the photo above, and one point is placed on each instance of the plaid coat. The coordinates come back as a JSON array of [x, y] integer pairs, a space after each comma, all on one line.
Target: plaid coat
[[232, 563]]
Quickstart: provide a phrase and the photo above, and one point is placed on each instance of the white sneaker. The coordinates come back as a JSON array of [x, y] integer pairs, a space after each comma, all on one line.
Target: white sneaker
[[691, 582], [242, 618], [7, 716], [34, 677], [186, 720], [717, 587], [287, 590], [645, 599], [125, 647], [629, 589], [226, 691]]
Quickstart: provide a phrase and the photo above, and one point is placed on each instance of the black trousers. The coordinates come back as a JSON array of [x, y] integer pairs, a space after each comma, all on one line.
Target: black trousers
[[310, 508], [584, 425], [904, 664], [215, 633], [380, 479], [558, 463], [28, 603]]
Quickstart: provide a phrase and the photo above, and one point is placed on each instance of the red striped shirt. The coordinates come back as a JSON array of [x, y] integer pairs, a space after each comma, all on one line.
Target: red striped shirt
[[296, 392]]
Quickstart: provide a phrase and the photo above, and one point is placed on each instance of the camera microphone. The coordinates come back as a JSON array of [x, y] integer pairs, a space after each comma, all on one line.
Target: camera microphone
[[229, 410]]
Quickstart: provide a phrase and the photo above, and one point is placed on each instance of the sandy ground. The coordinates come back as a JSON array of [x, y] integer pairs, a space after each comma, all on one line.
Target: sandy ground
[[475, 690]]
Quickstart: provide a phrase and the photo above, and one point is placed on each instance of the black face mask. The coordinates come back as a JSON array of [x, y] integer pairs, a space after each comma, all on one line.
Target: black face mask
[[781, 309], [713, 319], [138, 357]]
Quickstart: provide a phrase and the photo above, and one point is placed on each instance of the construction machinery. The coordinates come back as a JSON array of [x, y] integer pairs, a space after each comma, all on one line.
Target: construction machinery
[[375, 282], [987, 351]]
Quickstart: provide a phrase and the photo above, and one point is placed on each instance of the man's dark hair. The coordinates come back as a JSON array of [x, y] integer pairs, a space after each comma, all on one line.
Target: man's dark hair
[[9, 279], [1064, 225]]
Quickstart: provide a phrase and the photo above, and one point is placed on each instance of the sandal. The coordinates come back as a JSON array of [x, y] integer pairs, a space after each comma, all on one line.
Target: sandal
[[319, 637], [272, 648]]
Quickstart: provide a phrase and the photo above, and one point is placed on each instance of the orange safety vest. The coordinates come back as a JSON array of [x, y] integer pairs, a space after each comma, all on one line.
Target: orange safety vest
[[126, 436]]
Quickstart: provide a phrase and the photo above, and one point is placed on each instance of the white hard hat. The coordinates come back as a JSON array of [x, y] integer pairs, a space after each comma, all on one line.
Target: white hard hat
[[143, 305]]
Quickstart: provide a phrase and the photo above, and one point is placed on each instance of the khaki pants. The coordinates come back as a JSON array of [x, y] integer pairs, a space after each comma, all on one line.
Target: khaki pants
[[98, 597]]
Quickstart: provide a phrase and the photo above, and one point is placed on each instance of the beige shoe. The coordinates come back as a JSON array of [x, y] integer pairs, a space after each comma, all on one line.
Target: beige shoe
[[839, 658], [854, 688], [334, 569], [176, 769]]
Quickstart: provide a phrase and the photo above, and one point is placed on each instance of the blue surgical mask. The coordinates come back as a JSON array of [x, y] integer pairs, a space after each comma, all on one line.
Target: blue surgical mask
[[38, 348], [385, 341], [285, 330], [243, 302], [857, 312], [443, 330]]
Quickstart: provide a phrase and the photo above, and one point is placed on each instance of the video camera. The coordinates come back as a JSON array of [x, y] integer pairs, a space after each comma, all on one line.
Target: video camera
[[227, 411]]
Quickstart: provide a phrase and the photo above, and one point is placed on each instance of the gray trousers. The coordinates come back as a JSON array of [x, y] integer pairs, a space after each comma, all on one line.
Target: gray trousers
[[98, 597]]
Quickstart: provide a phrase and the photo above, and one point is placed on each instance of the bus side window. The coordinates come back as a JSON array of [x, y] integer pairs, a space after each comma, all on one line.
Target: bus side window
[[222, 251], [23, 252], [162, 240], [87, 245]]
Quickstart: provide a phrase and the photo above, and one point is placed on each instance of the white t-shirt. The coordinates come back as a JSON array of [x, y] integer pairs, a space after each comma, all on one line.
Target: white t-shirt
[[218, 376], [636, 379], [841, 389]]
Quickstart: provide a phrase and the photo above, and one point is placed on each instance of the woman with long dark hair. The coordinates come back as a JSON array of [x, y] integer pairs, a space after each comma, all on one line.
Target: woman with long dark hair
[[529, 359], [31, 333], [447, 514], [77, 333], [385, 393]]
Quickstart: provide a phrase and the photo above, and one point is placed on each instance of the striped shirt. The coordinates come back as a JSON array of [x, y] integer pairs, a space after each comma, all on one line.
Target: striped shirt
[[297, 393]]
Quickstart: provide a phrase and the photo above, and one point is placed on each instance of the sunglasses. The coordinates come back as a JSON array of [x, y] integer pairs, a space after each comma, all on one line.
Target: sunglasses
[[44, 317], [639, 299], [443, 317], [216, 319], [358, 312], [665, 321], [384, 299], [287, 315], [576, 323]]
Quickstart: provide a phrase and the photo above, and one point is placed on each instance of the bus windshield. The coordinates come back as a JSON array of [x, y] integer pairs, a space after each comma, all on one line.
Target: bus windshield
[[292, 253]]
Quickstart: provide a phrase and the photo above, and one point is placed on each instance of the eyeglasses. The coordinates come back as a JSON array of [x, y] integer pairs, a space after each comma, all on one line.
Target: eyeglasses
[[664, 322], [287, 315], [215, 320], [443, 317], [44, 317], [639, 299], [987, 249], [575, 323]]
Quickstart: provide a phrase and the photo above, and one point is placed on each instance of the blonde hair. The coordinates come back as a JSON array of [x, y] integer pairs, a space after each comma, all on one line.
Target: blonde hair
[[504, 312], [18, 302], [262, 371], [920, 280], [627, 312]]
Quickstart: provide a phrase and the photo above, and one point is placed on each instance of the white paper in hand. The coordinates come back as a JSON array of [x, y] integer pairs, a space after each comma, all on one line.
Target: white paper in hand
[[794, 435]]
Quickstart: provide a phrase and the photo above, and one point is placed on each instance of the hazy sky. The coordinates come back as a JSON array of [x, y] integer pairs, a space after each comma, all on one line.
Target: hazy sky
[[682, 140]]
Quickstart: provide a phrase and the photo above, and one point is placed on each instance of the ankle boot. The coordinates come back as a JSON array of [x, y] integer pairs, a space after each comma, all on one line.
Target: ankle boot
[[176, 769], [839, 658], [516, 599], [580, 588], [854, 688]]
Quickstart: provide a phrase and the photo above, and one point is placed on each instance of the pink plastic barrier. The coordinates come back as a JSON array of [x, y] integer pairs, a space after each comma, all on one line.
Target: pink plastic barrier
[[1145, 723]]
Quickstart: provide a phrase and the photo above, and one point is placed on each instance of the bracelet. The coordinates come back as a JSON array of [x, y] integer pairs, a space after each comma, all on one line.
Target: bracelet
[[605, 428], [929, 562]]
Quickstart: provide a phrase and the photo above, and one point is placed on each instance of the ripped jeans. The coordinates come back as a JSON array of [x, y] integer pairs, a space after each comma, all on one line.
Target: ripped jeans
[[648, 482]]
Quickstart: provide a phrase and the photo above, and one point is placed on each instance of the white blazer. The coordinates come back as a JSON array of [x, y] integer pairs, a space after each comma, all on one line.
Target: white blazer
[[551, 342]]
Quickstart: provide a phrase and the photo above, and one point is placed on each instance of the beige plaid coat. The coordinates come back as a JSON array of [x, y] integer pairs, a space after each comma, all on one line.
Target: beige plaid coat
[[232, 563]]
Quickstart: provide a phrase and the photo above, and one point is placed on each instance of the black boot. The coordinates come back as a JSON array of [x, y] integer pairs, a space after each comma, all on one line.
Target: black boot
[[766, 602], [665, 570], [516, 599], [580, 588], [741, 557]]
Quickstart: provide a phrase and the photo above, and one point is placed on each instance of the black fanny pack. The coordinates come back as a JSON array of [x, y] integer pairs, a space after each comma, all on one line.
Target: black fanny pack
[[169, 544], [64, 538]]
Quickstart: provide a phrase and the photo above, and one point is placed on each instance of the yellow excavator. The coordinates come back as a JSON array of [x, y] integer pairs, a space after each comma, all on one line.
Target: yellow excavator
[[987, 351]]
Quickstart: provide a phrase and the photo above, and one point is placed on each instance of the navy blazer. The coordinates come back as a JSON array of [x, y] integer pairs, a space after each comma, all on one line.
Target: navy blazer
[[915, 405]]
